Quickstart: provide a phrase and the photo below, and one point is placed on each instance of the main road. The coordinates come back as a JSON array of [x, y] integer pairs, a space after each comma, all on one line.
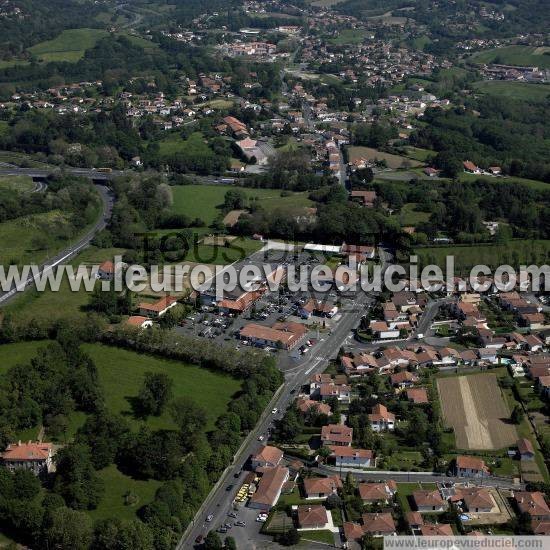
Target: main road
[[72, 250], [220, 501]]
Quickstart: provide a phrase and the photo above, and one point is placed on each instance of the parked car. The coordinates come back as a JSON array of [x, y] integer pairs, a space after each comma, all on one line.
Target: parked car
[[209, 517]]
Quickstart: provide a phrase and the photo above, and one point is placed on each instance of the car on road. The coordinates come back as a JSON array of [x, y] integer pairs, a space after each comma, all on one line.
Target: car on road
[[199, 539], [236, 474], [222, 529], [229, 487], [275, 410], [209, 517], [232, 514], [260, 438], [262, 518], [240, 523]]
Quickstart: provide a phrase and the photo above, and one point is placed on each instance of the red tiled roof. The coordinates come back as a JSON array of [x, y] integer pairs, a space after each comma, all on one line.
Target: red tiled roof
[[23, 452]]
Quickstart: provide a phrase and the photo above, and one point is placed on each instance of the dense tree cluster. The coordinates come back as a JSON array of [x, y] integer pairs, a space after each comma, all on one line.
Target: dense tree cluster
[[62, 379]]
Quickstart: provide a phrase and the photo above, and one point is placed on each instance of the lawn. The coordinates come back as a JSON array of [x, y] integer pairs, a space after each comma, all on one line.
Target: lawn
[[526, 56], [405, 490], [325, 536], [392, 161], [19, 238], [514, 90], [349, 36], [204, 201], [238, 250], [50, 305], [465, 257], [421, 155], [16, 183], [410, 215], [15, 354], [69, 46], [121, 374], [195, 144], [117, 486]]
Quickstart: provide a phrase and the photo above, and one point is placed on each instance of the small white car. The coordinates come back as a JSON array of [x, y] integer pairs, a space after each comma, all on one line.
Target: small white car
[[275, 410]]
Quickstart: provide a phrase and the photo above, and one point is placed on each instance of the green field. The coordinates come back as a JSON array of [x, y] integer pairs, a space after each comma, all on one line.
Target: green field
[[48, 305], [203, 201], [69, 46], [117, 485], [220, 255], [409, 215], [15, 354], [349, 36], [121, 373], [526, 56], [16, 183], [514, 90], [18, 238], [194, 144], [522, 251]]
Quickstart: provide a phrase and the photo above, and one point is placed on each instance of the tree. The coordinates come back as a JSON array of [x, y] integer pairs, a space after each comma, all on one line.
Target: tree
[[230, 543], [290, 538], [25, 484], [213, 541], [69, 530], [517, 415], [76, 480], [154, 394], [188, 416]]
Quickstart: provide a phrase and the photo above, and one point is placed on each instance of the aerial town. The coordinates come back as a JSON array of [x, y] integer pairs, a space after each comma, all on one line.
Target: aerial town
[[197, 199]]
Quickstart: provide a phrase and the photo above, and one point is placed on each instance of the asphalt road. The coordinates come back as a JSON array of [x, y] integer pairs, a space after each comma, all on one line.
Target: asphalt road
[[220, 501], [420, 477], [75, 248]]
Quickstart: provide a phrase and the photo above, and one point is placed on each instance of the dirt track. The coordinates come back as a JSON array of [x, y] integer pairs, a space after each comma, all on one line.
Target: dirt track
[[475, 408]]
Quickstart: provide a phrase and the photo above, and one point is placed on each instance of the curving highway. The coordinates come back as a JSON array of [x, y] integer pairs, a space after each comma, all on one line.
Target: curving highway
[[107, 201]]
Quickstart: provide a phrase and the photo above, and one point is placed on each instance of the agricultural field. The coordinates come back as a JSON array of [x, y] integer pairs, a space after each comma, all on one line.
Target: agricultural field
[[465, 257], [514, 90], [474, 407], [121, 373], [69, 46], [393, 161], [526, 56], [204, 201]]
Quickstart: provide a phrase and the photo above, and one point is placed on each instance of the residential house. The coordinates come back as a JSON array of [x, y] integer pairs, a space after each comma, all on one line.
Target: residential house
[[471, 466], [158, 308], [436, 530], [525, 449], [35, 457], [106, 271], [337, 435], [304, 405], [533, 504], [342, 392], [378, 524], [475, 499], [384, 492], [381, 419], [418, 396], [266, 457], [429, 501], [322, 487], [312, 517], [352, 458], [139, 321]]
